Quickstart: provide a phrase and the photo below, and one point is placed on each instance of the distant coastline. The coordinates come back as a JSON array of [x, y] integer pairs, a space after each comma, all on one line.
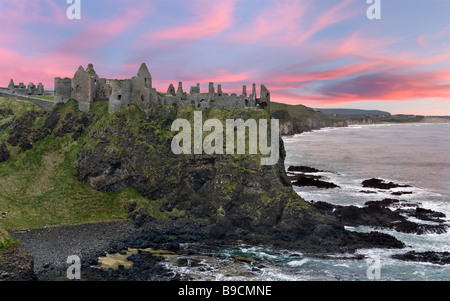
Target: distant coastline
[[297, 119], [435, 119]]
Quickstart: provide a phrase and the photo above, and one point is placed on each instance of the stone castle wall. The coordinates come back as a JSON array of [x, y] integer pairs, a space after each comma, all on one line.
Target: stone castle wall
[[86, 87], [21, 89]]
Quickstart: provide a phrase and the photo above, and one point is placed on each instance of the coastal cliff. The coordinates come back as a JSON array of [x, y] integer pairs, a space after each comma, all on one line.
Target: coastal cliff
[[296, 119], [66, 167], [89, 167]]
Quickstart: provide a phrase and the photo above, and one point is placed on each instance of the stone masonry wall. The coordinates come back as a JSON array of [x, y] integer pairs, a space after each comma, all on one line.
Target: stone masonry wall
[[86, 87]]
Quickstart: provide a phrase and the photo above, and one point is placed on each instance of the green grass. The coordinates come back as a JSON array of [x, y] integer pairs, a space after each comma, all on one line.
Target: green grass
[[6, 240], [17, 107], [300, 115], [39, 187], [49, 98]]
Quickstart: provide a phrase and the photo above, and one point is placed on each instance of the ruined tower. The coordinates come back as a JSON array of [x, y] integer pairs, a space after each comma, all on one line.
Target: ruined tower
[[63, 89], [11, 85], [120, 94], [142, 94], [264, 100], [84, 87], [40, 89]]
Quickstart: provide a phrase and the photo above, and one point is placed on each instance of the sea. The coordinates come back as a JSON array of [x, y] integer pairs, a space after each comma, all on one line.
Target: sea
[[416, 154]]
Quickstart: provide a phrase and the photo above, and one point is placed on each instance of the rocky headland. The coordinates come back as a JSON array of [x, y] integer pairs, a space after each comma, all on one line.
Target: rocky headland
[[212, 199]]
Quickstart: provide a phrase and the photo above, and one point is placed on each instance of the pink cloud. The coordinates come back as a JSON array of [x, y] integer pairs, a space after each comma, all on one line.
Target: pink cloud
[[379, 86], [425, 40], [100, 32], [336, 14], [212, 17], [24, 68], [287, 22], [279, 21]]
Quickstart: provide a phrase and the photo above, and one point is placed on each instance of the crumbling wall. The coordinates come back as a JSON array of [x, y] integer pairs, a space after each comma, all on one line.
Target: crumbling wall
[[102, 90], [21, 89], [83, 89], [121, 91], [63, 89]]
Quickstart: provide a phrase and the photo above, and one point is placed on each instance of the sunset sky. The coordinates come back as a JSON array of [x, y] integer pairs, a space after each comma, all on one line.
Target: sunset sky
[[320, 53]]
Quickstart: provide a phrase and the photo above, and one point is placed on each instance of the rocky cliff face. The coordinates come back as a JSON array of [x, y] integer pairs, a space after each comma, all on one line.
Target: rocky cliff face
[[133, 149], [231, 193], [16, 264]]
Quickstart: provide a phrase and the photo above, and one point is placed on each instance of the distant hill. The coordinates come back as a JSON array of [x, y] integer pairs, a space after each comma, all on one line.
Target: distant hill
[[299, 118], [354, 112], [295, 119]]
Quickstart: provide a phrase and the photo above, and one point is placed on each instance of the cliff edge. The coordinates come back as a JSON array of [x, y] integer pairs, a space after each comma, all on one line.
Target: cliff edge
[[66, 166]]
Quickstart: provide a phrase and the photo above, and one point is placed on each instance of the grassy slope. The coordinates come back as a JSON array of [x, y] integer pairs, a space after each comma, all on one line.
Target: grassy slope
[[299, 112], [38, 187]]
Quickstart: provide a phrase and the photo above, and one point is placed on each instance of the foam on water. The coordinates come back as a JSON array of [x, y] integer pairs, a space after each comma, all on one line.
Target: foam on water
[[350, 156], [412, 154]]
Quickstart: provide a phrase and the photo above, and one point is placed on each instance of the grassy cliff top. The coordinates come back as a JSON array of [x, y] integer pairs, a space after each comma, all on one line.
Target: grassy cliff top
[[301, 114], [40, 186]]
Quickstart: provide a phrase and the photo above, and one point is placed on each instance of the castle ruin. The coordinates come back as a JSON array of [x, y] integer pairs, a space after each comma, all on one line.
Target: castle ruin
[[21, 89], [86, 86]]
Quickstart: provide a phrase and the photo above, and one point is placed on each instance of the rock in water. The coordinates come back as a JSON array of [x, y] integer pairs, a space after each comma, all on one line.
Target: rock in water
[[304, 180], [381, 184], [303, 169], [430, 256]]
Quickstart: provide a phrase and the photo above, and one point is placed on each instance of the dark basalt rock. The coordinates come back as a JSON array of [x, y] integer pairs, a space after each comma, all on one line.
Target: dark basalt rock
[[16, 264], [24, 133], [4, 153], [303, 169], [393, 203], [21, 130], [401, 192], [305, 180], [377, 215], [433, 257], [383, 203], [427, 214], [235, 191], [381, 184], [367, 191]]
